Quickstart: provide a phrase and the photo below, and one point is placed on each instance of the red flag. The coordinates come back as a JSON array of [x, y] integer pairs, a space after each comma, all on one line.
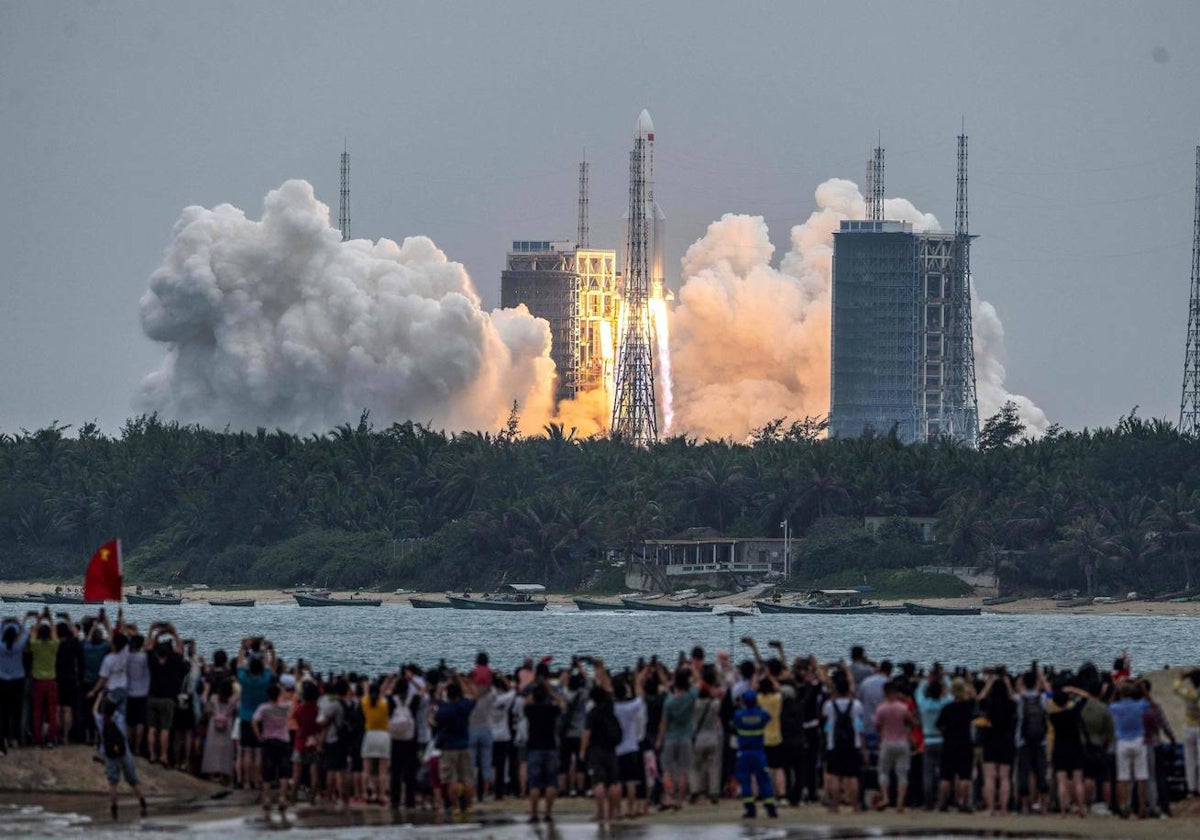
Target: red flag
[[103, 579]]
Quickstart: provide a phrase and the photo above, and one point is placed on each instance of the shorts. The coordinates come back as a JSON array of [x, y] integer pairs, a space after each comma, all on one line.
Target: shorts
[[455, 768], [1132, 761], [333, 757], [894, 757], [999, 748], [1095, 765], [68, 694], [114, 768], [958, 762], [160, 713], [568, 750], [1067, 760], [135, 711], [246, 736], [776, 756], [542, 766], [304, 758], [602, 764], [676, 758], [376, 744], [843, 763], [631, 767], [276, 761]]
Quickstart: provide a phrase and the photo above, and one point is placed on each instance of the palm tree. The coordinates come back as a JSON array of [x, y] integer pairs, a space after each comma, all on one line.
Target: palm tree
[[1175, 519]]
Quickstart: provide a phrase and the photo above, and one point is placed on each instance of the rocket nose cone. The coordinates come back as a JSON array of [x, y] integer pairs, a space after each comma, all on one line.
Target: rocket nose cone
[[645, 126]]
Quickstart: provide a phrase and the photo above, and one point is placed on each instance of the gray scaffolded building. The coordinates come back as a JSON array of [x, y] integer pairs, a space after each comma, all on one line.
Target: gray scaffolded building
[[901, 334]]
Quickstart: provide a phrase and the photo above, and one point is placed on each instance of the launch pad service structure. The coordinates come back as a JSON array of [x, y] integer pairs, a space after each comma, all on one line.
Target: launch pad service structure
[[902, 353]]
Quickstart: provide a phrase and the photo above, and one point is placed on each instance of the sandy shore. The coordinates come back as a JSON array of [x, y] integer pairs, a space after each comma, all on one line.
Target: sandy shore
[[1024, 606]]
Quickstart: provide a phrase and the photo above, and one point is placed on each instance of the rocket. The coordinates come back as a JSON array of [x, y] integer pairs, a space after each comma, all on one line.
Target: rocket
[[655, 219]]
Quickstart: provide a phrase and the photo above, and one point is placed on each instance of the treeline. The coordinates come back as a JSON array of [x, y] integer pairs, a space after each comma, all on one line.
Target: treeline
[[1103, 510]]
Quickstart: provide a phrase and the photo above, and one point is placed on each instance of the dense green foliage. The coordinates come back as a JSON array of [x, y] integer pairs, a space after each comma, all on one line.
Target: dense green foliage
[[1106, 509]]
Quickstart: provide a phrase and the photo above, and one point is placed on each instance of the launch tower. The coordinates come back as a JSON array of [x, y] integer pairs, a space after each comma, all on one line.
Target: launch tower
[[635, 413], [1189, 405]]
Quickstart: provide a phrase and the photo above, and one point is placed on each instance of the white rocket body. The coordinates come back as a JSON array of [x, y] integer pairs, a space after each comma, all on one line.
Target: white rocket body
[[655, 218]]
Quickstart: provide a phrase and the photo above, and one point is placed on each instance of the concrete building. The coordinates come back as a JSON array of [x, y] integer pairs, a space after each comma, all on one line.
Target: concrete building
[[898, 356], [576, 290]]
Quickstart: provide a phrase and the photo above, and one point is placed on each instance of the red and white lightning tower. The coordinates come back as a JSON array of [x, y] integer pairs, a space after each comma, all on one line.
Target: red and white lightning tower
[[635, 412], [1189, 406]]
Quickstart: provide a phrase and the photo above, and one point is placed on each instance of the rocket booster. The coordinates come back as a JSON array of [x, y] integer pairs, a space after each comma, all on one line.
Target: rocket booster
[[656, 220]]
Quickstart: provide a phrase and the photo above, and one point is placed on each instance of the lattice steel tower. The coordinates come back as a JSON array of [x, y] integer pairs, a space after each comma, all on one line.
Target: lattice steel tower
[[874, 190], [635, 412], [582, 235], [962, 402], [1189, 406], [344, 197]]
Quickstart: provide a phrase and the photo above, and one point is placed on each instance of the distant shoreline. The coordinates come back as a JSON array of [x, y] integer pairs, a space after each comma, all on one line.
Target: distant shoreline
[[1024, 606]]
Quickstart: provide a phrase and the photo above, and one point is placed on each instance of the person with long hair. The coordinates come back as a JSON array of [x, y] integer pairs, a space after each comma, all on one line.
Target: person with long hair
[[221, 711], [14, 636], [997, 699], [1066, 756], [376, 748]]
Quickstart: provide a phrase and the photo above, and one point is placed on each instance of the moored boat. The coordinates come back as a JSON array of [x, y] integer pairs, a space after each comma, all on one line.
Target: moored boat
[[823, 602], [515, 597], [927, 609], [330, 601], [893, 610], [995, 602], [231, 602], [591, 605], [27, 598], [1073, 603], [62, 598], [665, 606], [429, 604], [167, 599]]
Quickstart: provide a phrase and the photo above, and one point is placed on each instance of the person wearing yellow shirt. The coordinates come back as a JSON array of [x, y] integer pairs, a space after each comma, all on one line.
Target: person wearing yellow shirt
[[1187, 686], [43, 648]]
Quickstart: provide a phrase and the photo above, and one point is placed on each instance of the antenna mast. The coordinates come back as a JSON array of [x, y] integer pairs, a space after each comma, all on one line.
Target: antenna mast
[[344, 196], [581, 238], [875, 205], [1189, 406], [963, 408]]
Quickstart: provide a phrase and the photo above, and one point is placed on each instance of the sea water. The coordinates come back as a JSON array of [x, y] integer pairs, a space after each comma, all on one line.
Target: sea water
[[377, 640]]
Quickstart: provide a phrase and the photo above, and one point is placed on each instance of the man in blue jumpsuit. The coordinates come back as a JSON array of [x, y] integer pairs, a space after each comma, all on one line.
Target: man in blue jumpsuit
[[749, 723]]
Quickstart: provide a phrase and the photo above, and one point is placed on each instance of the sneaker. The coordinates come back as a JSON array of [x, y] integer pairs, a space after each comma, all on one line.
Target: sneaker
[[771, 812], [1099, 809], [750, 812]]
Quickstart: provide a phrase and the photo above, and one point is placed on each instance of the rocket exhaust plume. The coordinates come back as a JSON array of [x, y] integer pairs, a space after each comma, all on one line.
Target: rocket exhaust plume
[[750, 342], [279, 323]]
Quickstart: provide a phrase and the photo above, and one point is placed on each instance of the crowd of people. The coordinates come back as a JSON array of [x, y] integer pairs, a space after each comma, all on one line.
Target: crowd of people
[[770, 730]]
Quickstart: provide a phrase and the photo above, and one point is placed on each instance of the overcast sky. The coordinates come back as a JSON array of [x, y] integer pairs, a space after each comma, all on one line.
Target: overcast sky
[[465, 122]]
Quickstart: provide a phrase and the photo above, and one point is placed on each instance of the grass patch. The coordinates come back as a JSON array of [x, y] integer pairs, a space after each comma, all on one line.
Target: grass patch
[[894, 584]]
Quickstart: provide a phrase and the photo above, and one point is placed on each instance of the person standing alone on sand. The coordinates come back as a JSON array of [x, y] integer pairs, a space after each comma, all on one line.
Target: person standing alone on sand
[[749, 724], [118, 758]]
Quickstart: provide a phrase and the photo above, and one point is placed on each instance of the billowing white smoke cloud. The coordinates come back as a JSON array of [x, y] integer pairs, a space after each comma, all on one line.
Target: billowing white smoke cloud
[[989, 369], [280, 323], [750, 342]]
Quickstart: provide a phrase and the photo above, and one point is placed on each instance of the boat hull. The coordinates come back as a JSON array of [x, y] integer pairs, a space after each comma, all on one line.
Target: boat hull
[[923, 609], [311, 601], [460, 603], [22, 599], [428, 604], [155, 599], [801, 609], [996, 602], [655, 606], [232, 602], [588, 605]]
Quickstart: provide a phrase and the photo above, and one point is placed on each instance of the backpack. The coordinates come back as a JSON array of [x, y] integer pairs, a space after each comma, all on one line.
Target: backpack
[[1033, 720], [843, 728], [402, 726], [114, 740], [791, 717], [352, 723], [607, 732]]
